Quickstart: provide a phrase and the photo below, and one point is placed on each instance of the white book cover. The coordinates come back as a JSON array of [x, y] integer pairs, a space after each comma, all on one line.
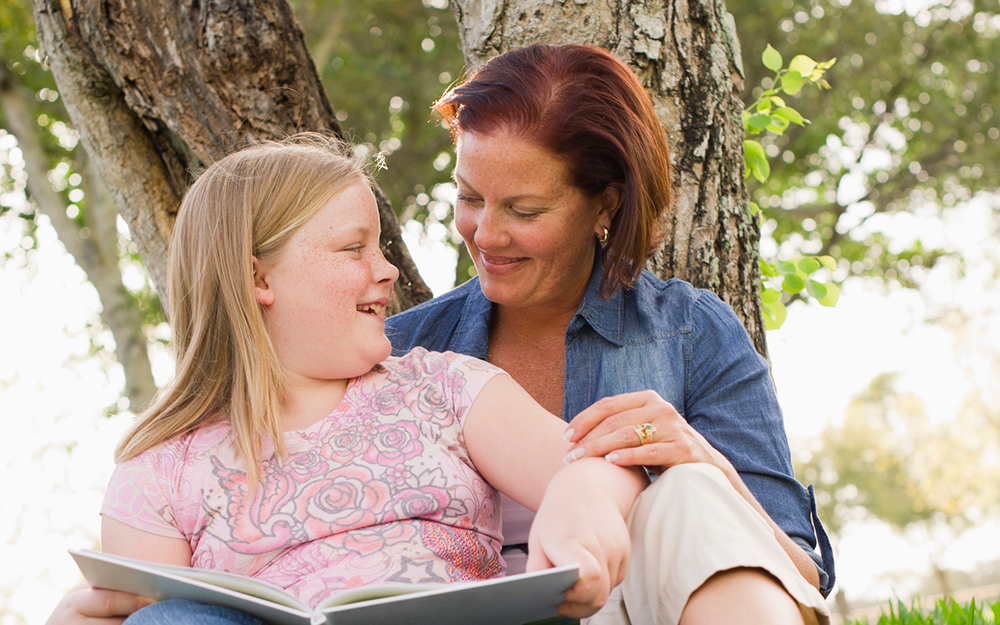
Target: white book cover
[[512, 600]]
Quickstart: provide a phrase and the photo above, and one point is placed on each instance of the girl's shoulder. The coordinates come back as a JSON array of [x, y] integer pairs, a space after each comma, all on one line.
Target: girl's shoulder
[[426, 361], [213, 436]]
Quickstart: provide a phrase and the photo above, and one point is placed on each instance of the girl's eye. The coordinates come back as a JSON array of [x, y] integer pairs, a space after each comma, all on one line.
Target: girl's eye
[[355, 248]]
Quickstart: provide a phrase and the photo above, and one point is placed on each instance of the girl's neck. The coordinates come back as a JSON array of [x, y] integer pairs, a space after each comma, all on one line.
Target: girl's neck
[[309, 401]]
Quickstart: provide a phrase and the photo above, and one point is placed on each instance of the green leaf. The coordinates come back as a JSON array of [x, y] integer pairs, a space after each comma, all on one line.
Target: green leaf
[[791, 115], [754, 208], [827, 261], [791, 83], [802, 64], [758, 122], [816, 289], [808, 265], [793, 283], [832, 295], [774, 315], [769, 296], [768, 269], [756, 160], [778, 125], [786, 267], [771, 58]]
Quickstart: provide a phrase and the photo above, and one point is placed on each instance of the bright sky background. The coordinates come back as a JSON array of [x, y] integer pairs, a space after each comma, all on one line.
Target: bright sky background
[[52, 397]]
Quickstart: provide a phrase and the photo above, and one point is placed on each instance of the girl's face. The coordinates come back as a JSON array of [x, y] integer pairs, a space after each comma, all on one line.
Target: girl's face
[[325, 292], [530, 232]]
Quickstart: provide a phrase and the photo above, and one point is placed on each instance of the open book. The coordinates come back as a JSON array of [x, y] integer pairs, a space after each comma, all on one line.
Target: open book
[[512, 600]]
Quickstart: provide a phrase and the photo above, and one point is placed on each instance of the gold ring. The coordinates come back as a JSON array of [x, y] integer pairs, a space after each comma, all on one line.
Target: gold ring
[[645, 432]]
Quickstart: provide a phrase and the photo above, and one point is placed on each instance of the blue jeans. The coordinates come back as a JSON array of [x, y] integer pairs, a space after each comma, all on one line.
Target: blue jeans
[[187, 612]]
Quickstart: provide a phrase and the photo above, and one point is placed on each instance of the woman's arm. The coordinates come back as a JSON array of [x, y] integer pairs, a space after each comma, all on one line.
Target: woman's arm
[[516, 445]]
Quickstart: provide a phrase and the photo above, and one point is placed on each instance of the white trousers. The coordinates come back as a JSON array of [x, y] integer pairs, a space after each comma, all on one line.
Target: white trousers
[[687, 526]]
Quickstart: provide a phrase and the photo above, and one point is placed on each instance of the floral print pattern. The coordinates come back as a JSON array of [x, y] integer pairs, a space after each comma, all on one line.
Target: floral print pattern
[[381, 489]]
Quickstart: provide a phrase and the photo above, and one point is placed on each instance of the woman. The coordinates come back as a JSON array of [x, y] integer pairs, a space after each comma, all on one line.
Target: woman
[[563, 174]]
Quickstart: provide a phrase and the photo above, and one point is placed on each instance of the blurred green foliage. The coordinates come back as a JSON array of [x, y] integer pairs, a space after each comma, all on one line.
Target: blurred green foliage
[[910, 124], [383, 63]]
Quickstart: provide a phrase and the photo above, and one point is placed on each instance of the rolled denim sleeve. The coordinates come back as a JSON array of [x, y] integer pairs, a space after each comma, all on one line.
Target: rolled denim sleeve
[[730, 399]]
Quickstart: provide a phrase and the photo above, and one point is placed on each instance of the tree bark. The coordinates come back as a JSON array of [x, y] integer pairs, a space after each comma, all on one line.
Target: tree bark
[[159, 88], [93, 246], [687, 55]]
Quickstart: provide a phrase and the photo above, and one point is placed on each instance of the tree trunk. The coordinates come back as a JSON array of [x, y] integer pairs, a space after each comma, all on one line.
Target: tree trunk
[[687, 55], [159, 88], [94, 246]]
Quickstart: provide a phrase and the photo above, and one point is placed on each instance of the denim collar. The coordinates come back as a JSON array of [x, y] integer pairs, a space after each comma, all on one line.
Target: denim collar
[[605, 316]]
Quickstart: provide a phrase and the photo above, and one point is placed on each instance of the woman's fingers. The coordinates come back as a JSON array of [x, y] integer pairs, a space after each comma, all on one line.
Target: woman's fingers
[[608, 414]]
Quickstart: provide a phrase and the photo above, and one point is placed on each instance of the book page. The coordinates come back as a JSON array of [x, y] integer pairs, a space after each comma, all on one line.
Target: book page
[[502, 601]]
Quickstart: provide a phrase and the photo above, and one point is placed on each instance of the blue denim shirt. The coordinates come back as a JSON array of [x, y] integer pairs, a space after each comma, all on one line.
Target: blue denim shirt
[[684, 343]]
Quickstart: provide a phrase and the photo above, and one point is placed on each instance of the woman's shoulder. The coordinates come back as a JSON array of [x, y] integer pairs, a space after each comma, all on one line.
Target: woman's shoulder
[[652, 293], [432, 323]]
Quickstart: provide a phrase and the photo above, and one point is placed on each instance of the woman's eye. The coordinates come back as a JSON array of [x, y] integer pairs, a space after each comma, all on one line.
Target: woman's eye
[[520, 214], [468, 199]]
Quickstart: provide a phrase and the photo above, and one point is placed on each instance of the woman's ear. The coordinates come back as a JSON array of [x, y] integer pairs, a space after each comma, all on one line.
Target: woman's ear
[[261, 289], [611, 201]]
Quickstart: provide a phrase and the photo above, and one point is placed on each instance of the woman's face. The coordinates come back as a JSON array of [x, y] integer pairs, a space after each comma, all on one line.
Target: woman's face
[[530, 232]]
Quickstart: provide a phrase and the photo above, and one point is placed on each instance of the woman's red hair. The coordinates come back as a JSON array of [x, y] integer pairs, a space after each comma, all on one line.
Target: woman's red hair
[[588, 108]]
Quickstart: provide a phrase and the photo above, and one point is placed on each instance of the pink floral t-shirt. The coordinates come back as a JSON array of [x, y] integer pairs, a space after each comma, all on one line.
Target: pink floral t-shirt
[[381, 490]]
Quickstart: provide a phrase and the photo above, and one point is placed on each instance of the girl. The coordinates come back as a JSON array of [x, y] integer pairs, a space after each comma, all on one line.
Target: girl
[[291, 448]]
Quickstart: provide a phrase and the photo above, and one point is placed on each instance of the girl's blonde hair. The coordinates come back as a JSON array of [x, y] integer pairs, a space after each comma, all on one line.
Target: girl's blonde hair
[[246, 205]]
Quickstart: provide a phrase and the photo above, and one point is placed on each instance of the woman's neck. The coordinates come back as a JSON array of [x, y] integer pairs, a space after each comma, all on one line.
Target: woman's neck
[[309, 401]]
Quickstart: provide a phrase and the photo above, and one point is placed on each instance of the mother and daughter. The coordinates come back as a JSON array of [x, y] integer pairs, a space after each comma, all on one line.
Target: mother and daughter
[[293, 448]]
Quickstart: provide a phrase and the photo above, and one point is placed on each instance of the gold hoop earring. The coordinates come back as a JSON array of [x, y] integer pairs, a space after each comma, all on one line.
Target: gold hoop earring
[[603, 238]]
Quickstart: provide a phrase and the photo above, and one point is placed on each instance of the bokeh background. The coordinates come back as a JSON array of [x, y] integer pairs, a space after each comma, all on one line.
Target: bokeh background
[[891, 397]]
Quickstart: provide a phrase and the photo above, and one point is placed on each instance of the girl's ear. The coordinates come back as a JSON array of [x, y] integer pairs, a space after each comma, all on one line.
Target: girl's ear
[[261, 290], [611, 200]]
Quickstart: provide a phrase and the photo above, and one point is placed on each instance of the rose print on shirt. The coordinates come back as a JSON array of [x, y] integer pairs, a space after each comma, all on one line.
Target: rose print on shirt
[[350, 498], [394, 443]]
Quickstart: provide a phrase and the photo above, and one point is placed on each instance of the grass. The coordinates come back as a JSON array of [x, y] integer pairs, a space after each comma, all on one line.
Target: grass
[[944, 612]]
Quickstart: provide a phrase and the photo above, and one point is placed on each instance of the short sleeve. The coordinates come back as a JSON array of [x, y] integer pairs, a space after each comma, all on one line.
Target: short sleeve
[[139, 494]]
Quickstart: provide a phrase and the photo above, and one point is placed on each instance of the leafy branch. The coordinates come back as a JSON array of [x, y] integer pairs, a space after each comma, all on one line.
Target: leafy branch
[[770, 114]]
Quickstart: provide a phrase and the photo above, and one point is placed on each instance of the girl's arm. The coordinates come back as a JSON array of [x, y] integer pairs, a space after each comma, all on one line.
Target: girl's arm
[[124, 540], [85, 605], [517, 446]]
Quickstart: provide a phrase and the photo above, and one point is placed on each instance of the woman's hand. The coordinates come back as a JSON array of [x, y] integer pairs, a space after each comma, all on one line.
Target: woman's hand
[[609, 428], [94, 606], [582, 520]]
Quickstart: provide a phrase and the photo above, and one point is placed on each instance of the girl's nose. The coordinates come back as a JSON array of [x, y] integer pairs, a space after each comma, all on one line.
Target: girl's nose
[[384, 270]]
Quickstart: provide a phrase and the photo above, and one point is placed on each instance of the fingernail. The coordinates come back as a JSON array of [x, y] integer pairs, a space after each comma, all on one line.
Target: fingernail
[[612, 457], [574, 454], [568, 435]]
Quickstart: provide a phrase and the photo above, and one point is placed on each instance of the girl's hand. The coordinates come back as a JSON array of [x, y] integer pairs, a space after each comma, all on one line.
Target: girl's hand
[[581, 521], [94, 606], [608, 428]]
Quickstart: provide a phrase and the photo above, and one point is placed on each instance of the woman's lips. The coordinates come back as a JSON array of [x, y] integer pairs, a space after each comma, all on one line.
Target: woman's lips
[[501, 264]]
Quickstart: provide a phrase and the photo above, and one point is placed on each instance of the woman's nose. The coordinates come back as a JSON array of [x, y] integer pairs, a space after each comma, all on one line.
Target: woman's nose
[[490, 231]]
